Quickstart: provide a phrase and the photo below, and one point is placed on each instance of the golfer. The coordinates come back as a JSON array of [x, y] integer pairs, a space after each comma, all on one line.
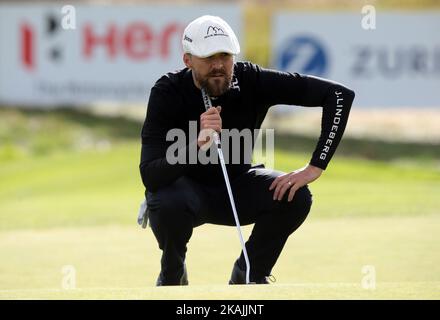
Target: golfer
[[182, 195]]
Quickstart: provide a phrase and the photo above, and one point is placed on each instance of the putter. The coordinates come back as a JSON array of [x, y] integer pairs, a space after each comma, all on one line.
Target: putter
[[208, 104]]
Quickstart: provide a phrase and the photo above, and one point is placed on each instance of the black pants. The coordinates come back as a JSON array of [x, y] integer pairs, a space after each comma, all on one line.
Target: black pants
[[185, 204]]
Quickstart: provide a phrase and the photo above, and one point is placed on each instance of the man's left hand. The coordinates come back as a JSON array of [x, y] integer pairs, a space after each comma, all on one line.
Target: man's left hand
[[293, 181]]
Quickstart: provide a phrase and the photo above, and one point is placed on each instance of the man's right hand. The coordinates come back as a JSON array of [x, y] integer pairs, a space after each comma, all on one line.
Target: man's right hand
[[210, 122]]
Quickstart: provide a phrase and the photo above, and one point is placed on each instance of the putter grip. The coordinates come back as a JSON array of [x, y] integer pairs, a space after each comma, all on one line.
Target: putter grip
[[208, 104], [206, 100]]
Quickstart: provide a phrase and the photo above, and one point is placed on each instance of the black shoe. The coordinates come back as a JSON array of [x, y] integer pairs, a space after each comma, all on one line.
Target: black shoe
[[182, 281], [238, 276]]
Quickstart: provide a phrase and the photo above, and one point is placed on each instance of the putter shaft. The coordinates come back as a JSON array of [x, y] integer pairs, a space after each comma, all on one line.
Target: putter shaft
[[208, 104]]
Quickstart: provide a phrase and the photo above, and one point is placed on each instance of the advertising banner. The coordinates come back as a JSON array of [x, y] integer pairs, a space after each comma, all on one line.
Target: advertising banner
[[52, 55], [396, 64]]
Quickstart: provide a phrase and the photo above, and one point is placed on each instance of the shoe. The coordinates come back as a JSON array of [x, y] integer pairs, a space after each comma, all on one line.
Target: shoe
[[238, 276], [183, 281]]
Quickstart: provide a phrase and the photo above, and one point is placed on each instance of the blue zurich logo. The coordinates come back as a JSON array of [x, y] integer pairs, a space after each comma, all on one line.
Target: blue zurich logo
[[303, 54]]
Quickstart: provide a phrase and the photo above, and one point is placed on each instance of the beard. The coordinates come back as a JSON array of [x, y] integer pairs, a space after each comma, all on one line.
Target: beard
[[216, 83]]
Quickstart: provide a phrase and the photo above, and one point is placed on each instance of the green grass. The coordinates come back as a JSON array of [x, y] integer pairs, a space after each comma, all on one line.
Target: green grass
[[353, 188], [71, 189], [367, 148], [79, 209], [322, 260], [78, 206], [104, 187], [38, 133]]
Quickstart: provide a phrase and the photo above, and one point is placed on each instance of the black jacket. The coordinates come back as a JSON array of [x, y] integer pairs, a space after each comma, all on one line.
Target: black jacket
[[175, 100]]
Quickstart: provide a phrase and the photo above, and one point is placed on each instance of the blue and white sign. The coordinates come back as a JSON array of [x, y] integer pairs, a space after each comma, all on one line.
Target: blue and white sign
[[303, 54], [395, 65]]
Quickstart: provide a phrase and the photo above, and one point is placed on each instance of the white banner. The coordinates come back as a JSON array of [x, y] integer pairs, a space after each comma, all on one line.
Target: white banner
[[72, 55], [396, 64]]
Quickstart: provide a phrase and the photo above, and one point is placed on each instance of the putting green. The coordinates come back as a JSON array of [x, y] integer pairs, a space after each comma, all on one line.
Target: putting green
[[324, 259]]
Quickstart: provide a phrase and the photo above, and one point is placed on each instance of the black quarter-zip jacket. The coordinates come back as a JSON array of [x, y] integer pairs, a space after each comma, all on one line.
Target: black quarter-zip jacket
[[175, 101]]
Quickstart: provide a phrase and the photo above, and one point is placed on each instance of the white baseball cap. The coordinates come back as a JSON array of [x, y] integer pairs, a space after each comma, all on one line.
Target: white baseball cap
[[208, 35]]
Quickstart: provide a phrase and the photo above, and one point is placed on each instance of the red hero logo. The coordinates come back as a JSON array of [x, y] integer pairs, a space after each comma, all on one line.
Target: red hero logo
[[137, 41]]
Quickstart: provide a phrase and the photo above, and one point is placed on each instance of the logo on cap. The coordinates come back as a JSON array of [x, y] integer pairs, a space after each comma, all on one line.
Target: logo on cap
[[215, 31], [187, 38]]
